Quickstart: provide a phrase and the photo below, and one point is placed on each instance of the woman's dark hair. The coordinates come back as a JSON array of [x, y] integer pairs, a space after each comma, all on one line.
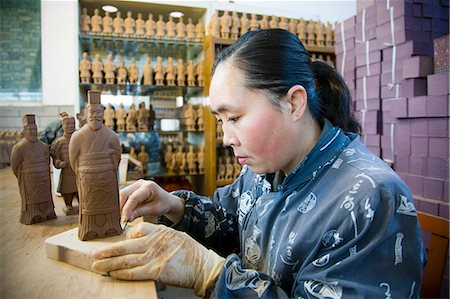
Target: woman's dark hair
[[274, 60]]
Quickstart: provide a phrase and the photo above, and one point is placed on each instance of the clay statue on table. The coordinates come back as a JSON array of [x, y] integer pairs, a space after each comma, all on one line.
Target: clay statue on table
[[108, 116], [94, 153], [140, 26], [199, 31], [320, 38], [85, 21], [133, 72], [200, 120], [170, 29], [121, 115], [97, 70], [170, 72], [147, 72], [214, 25], [143, 158], [59, 151], [131, 119], [181, 30], [190, 30], [107, 24], [118, 24], [96, 22], [142, 118], [190, 69], [188, 117], [159, 72], [85, 69], [150, 26], [160, 27], [329, 36], [301, 31], [30, 162], [129, 25], [310, 33], [225, 25], [200, 74], [122, 73], [181, 73], [254, 23], [235, 24], [244, 24], [110, 70]]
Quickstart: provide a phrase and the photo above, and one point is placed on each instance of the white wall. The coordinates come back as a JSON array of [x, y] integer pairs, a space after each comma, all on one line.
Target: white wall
[[59, 21]]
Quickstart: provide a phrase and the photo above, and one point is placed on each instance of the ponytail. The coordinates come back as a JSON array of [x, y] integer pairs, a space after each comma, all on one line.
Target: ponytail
[[334, 97]]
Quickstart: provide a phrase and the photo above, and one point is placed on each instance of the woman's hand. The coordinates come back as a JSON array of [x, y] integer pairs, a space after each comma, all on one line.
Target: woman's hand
[[158, 252], [148, 198]]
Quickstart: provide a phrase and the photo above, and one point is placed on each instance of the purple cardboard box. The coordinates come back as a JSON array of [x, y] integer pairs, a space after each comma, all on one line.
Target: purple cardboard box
[[409, 48], [413, 87], [419, 127], [418, 165], [417, 106], [444, 213], [389, 91], [372, 69], [401, 163], [386, 74], [429, 207], [419, 146], [417, 66], [398, 107], [438, 127], [438, 84], [372, 140], [375, 150], [433, 188], [438, 147], [415, 183], [372, 104], [372, 87], [374, 56], [402, 144], [400, 37], [437, 168], [438, 106]]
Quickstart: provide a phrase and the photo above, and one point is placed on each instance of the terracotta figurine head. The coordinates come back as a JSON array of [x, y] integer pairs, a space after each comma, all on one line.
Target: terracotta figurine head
[[94, 110], [29, 127]]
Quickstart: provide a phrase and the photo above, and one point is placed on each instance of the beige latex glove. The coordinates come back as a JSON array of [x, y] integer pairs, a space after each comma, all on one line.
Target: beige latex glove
[[158, 252]]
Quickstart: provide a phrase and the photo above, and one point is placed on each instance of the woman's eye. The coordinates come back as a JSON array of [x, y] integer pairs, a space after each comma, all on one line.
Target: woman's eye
[[233, 119]]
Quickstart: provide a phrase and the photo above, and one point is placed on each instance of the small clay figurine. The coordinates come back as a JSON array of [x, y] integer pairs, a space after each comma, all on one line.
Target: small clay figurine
[[133, 152], [190, 30], [310, 29], [225, 25], [143, 158], [254, 23], [30, 160], [131, 119], [214, 25], [129, 25], [200, 74], [180, 159], [235, 24], [159, 72], [140, 26], [329, 35], [201, 160], [293, 26], [283, 24], [108, 116], [190, 69], [133, 72], [81, 117], [188, 117], [264, 23], [142, 118], [97, 70], [59, 151], [147, 73], [320, 38], [118, 24], [199, 31], [94, 153], [200, 121], [150, 25], [110, 70], [121, 115], [170, 72], [245, 24], [181, 73], [301, 31], [107, 24], [96, 22], [191, 160], [170, 29], [160, 27], [85, 22], [85, 69], [181, 30], [273, 24], [122, 73]]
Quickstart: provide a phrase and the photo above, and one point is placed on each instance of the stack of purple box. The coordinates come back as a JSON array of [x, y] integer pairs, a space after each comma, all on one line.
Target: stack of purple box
[[402, 104]]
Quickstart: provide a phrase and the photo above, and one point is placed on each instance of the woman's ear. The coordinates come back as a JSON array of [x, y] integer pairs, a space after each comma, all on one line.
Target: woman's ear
[[298, 99]]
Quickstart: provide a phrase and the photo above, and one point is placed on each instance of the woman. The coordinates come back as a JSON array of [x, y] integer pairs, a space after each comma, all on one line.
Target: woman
[[313, 214]]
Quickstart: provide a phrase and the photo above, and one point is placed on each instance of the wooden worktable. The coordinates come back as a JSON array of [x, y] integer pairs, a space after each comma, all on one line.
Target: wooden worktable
[[25, 270]]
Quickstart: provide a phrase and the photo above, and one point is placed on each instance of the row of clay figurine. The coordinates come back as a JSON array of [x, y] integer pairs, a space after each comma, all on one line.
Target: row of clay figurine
[[179, 74], [130, 27]]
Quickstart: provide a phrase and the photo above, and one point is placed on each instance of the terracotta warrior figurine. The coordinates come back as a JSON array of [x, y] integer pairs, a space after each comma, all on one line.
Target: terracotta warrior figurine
[[329, 36], [160, 27], [264, 22], [320, 37], [142, 118], [94, 153], [131, 119], [310, 30], [200, 74], [225, 25], [133, 72], [159, 72], [85, 22], [273, 24], [170, 72], [214, 25], [200, 120], [254, 23], [107, 24], [301, 31], [181, 73], [190, 70], [59, 151], [97, 70], [121, 115], [96, 22], [143, 158], [122, 73], [181, 30], [151, 117], [140, 26], [293, 26], [108, 116], [147, 72], [129, 25], [191, 160], [85, 69], [199, 31], [110, 70], [245, 24], [201, 160], [235, 24], [170, 29], [190, 30], [283, 24], [150, 26], [118, 24], [30, 161]]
